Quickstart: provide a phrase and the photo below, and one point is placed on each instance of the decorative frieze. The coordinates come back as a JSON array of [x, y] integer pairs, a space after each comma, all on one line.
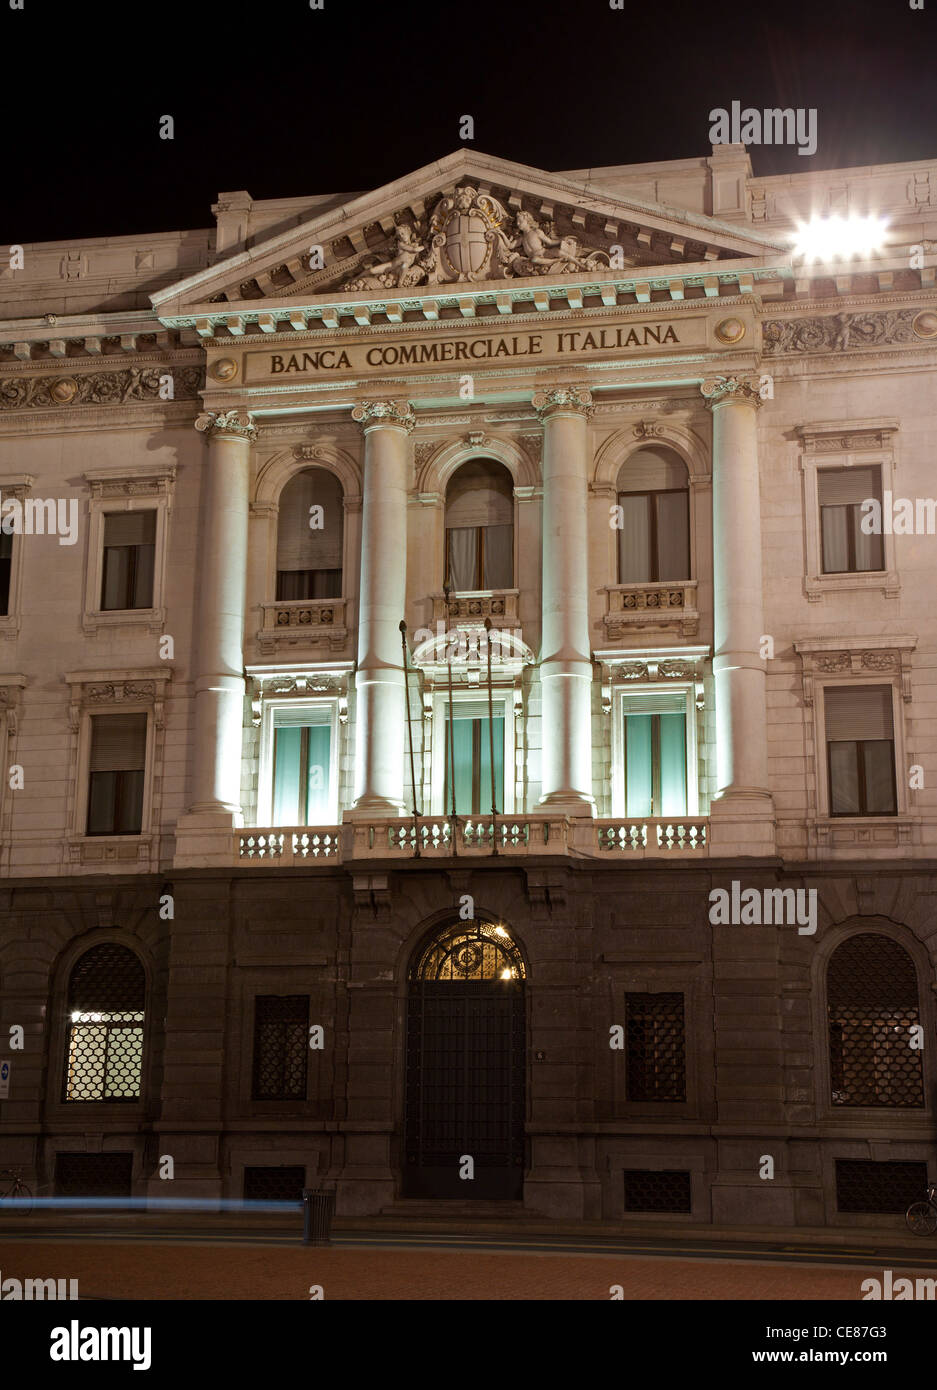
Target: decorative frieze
[[840, 332], [99, 388], [855, 657], [109, 691]]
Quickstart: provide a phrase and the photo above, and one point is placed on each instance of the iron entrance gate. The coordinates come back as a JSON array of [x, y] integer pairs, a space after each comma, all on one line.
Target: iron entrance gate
[[466, 1070]]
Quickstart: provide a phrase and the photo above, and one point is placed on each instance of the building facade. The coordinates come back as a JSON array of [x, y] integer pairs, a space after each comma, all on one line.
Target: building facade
[[605, 887]]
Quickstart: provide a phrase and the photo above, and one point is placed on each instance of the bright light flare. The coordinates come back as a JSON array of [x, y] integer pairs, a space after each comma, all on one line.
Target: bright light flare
[[839, 238]]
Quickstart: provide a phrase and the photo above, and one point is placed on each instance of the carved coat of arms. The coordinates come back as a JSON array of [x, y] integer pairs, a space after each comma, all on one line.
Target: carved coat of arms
[[470, 236]]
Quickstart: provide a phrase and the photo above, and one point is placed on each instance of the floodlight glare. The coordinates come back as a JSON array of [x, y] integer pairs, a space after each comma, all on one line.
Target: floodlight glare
[[839, 238]]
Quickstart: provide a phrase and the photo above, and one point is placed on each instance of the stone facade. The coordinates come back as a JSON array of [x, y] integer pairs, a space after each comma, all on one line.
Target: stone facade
[[565, 327]]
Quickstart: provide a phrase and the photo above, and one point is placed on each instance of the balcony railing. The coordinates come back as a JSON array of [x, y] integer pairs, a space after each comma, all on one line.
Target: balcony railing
[[473, 837]]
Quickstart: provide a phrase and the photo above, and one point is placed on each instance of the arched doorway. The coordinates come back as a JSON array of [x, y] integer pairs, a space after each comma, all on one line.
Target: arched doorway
[[466, 1069]]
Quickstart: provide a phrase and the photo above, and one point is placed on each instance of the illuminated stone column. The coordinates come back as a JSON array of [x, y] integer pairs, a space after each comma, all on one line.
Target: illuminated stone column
[[219, 614], [743, 801], [380, 706], [566, 665]]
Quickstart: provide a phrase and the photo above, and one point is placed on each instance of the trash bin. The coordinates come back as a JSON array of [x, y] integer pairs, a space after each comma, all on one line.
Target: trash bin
[[318, 1209]]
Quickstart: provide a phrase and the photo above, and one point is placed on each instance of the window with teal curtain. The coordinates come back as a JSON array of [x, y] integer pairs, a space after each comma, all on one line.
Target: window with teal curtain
[[655, 756], [301, 773], [471, 752]]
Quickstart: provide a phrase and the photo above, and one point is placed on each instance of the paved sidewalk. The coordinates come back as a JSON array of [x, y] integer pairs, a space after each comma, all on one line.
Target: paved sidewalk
[[139, 1270]]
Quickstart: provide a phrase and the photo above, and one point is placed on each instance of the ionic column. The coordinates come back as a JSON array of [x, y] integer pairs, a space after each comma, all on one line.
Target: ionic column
[[566, 665], [380, 707], [219, 615], [738, 602]]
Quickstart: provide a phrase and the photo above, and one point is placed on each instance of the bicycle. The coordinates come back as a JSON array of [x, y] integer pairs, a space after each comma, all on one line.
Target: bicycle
[[15, 1192], [922, 1216]]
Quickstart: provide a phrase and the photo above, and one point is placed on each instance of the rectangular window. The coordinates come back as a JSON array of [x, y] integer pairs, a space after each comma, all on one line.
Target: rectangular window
[[656, 1041], [860, 747], [281, 1026], [129, 557], [468, 736], [846, 549], [117, 765], [654, 540], [6, 571], [480, 557], [655, 750], [302, 766]]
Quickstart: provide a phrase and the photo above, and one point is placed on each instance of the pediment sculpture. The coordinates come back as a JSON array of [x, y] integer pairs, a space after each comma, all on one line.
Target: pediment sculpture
[[470, 236]]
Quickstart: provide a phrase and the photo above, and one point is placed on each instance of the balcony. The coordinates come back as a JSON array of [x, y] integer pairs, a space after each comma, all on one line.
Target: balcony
[[438, 838], [303, 623], [634, 608]]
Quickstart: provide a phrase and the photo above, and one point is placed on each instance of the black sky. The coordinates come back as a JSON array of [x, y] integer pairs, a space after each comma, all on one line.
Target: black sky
[[283, 100]]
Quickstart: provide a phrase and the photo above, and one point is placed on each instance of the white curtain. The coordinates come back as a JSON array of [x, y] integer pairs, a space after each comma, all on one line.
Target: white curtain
[[634, 539], [673, 536], [300, 546], [499, 557], [463, 550]]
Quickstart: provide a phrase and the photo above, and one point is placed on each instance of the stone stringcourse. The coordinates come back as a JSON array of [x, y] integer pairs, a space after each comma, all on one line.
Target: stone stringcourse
[[837, 332], [98, 388]]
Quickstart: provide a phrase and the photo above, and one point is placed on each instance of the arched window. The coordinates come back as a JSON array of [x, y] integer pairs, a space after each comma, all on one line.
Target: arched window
[[470, 951], [310, 529], [106, 1002], [872, 1004], [654, 539], [480, 527]]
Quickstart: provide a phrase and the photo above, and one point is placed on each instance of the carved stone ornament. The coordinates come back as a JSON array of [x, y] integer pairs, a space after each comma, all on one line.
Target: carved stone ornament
[[837, 332], [371, 414], [854, 657], [98, 388], [470, 236], [731, 390], [239, 423], [563, 398]]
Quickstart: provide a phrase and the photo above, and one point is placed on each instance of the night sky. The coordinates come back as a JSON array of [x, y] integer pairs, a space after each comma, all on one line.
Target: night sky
[[283, 100]]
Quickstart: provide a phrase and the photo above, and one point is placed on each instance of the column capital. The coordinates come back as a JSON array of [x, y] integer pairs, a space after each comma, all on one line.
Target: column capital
[[385, 414], [236, 424], [731, 390], [564, 400]]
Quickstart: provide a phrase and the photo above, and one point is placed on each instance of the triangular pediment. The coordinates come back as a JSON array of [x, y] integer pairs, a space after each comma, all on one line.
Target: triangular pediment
[[466, 220]]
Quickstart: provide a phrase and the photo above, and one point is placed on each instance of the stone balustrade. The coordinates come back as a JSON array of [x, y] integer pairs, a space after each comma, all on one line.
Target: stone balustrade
[[468, 837]]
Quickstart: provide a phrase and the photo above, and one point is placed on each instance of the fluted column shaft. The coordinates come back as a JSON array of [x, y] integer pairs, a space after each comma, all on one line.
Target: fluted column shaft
[[738, 599], [219, 614], [380, 707], [566, 665]]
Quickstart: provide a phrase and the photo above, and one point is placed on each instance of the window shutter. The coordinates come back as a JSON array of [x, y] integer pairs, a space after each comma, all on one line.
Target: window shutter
[[118, 742], [652, 470], [840, 487], [299, 547], [858, 712], [664, 703], [480, 494], [130, 528]]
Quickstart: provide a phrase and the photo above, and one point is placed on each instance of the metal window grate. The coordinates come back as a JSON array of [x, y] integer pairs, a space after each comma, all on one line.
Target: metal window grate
[[668, 1190], [94, 1175], [281, 1029], [882, 1188], [872, 997], [106, 1002], [655, 1033], [274, 1184]]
